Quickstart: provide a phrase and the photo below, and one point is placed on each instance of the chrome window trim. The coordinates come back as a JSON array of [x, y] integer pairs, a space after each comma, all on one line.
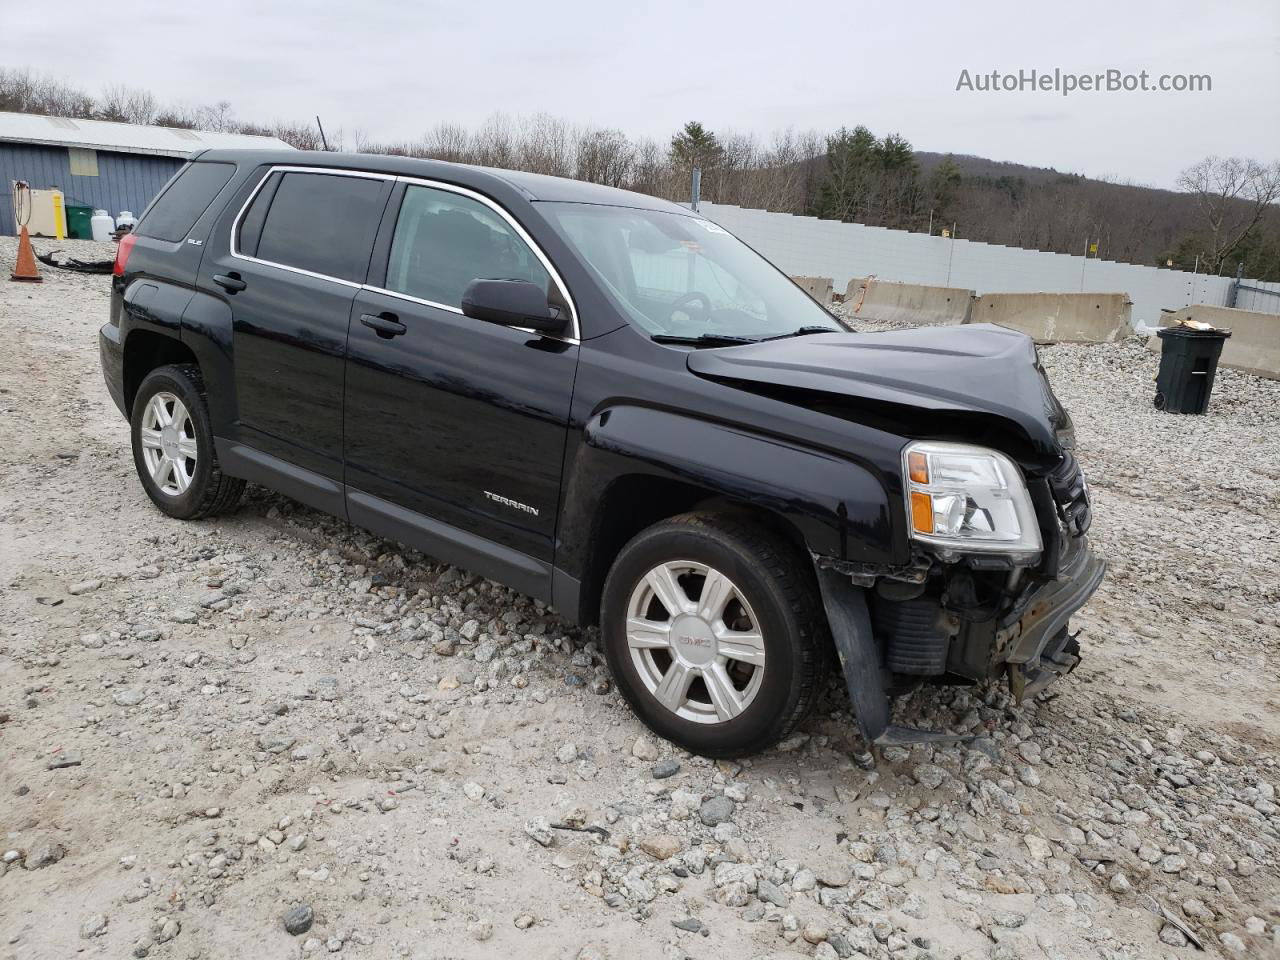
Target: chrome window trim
[[416, 181], [412, 299], [285, 168], [519, 231]]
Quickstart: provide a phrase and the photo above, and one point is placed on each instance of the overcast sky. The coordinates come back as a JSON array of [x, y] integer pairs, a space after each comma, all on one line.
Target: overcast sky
[[393, 69]]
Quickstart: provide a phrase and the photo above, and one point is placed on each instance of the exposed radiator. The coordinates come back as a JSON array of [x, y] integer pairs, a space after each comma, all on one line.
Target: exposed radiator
[[914, 633]]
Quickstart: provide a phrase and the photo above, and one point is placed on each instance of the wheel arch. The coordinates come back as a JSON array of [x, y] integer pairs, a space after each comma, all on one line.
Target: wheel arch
[[633, 502], [146, 350]]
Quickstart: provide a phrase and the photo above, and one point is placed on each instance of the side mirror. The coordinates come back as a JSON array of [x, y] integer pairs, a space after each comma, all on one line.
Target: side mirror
[[512, 303]]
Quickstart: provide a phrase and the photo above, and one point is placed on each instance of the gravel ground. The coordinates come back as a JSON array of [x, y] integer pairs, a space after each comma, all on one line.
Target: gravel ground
[[273, 735]]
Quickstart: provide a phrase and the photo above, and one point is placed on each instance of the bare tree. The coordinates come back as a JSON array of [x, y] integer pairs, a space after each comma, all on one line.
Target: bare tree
[[495, 144], [23, 91], [127, 105], [605, 156], [302, 136], [448, 141], [178, 116], [217, 117], [1233, 194], [650, 168], [546, 144]]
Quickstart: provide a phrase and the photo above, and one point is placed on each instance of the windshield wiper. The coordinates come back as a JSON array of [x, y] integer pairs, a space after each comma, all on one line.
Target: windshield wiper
[[704, 339], [723, 339], [805, 331]]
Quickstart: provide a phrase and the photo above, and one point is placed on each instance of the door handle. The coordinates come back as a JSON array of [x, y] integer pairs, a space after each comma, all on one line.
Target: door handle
[[229, 282], [386, 325]]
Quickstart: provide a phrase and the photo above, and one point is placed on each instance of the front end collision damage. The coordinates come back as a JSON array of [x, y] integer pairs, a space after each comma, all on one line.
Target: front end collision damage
[[1025, 636], [1034, 632], [860, 657], [999, 618]]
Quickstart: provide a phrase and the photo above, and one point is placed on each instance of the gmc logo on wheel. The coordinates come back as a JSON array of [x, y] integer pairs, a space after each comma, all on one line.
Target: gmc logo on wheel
[[694, 641]]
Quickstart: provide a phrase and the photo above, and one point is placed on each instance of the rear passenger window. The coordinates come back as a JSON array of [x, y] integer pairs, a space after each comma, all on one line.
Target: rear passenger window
[[322, 223], [176, 210], [444, 240], [250, 231]]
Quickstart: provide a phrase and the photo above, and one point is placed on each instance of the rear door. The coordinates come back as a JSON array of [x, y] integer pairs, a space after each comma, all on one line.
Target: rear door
[[288, 265], [451, 418]]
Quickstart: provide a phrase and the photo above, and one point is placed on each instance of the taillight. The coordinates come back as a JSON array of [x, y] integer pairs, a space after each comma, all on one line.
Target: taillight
[[122, 254]]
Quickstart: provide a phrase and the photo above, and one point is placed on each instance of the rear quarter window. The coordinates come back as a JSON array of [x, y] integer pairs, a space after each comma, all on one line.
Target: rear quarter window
[[176, 210], [322, 223]]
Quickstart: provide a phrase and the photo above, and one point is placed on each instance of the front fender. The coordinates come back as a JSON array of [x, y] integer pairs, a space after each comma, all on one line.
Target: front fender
[[841, 509]]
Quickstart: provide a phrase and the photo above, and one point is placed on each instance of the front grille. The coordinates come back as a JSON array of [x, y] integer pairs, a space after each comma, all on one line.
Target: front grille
[[1071, 496]]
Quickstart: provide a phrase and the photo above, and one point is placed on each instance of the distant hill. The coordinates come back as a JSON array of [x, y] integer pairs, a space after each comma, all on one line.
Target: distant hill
[[971, 166], [1045, 209]]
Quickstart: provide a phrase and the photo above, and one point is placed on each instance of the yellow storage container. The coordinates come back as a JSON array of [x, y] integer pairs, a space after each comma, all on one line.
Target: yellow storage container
[[48, 214]]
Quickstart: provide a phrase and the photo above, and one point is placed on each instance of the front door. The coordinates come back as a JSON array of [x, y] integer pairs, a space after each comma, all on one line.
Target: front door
[[455, 427]]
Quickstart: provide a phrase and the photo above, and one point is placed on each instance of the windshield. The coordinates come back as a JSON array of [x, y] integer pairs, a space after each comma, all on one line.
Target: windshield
[[684, 277]]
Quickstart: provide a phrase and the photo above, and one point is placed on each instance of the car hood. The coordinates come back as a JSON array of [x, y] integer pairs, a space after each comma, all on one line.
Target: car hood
[[964, 373]]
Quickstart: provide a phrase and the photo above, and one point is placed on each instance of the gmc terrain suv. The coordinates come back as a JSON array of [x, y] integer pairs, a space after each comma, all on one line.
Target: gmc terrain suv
[[611, 404]]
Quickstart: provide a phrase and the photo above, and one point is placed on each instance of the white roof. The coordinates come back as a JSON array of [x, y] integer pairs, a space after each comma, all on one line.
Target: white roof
[[123, 137]]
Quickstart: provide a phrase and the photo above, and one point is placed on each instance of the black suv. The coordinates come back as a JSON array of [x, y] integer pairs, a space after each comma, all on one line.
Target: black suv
[[611, 404]]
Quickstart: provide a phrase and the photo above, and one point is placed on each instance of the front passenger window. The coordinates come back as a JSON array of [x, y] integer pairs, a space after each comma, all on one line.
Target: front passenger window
[[444, 240]]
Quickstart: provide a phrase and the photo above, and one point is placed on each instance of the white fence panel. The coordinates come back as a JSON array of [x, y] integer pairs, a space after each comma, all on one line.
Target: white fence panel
[[807, 246]]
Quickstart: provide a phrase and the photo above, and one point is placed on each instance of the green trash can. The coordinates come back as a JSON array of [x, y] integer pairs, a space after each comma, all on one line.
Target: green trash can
[[1188, 364], [79, 217]]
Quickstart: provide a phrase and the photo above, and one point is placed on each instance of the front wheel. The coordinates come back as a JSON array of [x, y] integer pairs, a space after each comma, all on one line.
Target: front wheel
[[713, 629], [173, 446]]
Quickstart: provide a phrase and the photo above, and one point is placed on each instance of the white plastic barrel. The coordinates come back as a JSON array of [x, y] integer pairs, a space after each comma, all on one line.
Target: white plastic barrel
[[126, 220], [102, 226]]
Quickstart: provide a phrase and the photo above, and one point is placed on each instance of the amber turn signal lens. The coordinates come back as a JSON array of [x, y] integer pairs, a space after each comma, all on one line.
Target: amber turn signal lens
[[918, 467], [922, 512]]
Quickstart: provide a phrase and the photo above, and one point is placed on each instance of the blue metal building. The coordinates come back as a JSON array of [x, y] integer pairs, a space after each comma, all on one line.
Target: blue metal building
[[108, 166]]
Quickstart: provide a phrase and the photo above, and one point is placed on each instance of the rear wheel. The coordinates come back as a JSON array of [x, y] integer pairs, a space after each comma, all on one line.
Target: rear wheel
[[713, 629], [173, 446]]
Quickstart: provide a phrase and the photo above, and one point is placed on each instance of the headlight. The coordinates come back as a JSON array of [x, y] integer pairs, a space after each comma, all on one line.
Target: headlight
[[966, 499]]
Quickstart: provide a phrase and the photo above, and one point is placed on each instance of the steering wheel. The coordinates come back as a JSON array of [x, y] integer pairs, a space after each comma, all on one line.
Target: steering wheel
[[689, 298]]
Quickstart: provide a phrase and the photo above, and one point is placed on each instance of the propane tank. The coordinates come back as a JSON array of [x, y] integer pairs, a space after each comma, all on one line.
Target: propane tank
[[126, 221], [102, 226]]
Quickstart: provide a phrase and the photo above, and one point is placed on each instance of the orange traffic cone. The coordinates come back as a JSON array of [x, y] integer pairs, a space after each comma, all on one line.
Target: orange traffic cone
[[25, 269]]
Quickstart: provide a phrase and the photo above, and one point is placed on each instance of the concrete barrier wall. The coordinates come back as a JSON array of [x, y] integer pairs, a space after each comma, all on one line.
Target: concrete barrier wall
[[1254, 345], [913, 303], [808, 246], [820, 288], [1052, 317]]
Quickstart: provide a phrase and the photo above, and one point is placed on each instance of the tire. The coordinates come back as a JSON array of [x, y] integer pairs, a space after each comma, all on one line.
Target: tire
[[772, 593], [192, 485]]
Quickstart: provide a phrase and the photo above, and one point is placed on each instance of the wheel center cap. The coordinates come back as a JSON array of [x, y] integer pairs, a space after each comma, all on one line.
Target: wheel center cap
[[693, 640], [169, 442]]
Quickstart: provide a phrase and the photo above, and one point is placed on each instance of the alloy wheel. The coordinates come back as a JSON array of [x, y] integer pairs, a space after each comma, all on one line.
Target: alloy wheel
[[169, 447], [695, 641]]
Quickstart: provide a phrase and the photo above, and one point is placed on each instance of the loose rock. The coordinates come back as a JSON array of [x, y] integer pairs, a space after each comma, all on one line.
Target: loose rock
[[298, 920]]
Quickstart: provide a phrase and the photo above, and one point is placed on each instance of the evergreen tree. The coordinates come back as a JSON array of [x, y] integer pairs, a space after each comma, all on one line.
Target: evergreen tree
[[695, 146], [846, 190], [944, 183]]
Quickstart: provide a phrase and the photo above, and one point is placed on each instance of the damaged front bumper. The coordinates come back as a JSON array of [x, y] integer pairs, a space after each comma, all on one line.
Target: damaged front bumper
[[1026, 637], [1039, 647]]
